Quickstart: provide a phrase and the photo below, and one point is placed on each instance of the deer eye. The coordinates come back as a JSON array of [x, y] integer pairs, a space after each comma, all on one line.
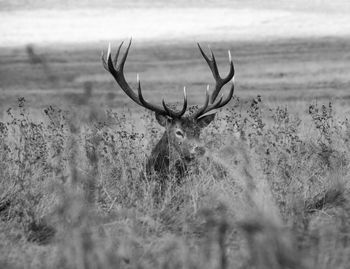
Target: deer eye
[[179, 133]]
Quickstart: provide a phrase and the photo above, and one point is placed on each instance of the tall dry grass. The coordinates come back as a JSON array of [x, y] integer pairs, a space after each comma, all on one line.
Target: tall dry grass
[[268, 194]]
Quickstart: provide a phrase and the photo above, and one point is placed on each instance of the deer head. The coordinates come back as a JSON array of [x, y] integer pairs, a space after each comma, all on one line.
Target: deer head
[[181, 137]]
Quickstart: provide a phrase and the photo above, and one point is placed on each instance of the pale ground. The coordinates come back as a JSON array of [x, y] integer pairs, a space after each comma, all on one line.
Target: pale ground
[[20, 27]]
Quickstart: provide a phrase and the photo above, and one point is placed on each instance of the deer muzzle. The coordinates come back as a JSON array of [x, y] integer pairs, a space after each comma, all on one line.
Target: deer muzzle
[[196, 151]]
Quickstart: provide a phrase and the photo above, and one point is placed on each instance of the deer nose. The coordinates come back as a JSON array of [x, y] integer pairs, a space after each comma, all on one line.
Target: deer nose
[[199, 151]]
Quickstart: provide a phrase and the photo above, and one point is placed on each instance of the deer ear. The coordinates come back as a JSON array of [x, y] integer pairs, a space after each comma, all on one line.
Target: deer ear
[[162, 120], [205, 120]]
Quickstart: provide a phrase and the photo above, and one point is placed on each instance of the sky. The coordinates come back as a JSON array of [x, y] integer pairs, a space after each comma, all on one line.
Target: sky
[[56, 22]]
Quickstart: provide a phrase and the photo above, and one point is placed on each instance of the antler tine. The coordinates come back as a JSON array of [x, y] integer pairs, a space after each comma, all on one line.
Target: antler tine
[[211, 62], [174, 114], [220, 82], [123, 60], [231, 73], [214, 65], [118, 51], [229, 96], [147, 105], [201, 111], [185, 103], [219, 103], [206, 108], [117, 71]]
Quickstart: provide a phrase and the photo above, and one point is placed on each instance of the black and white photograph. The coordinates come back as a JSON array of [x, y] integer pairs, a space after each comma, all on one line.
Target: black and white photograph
[[154, 134]]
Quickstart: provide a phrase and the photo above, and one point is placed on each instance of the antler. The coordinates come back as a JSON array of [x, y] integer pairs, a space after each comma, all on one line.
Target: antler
[[117, 71], [210, 103]]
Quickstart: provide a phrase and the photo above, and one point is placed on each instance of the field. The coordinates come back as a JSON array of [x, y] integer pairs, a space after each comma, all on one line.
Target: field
[[272, 190], [283, 71]]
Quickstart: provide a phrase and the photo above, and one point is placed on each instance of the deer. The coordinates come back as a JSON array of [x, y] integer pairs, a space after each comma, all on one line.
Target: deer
[[180, 145]]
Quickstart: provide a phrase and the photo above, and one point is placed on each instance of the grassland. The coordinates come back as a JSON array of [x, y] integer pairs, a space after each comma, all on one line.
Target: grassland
[[282, 71], [272, 191]]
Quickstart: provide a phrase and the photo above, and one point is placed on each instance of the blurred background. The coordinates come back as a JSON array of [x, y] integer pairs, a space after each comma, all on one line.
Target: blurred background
[[289, 52]]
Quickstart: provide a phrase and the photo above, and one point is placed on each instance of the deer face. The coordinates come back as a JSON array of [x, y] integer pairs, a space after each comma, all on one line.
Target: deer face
[[183, 134]]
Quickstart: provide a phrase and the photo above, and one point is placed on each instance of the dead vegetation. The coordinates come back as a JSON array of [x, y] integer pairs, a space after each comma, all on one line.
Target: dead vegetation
[[265, 195]]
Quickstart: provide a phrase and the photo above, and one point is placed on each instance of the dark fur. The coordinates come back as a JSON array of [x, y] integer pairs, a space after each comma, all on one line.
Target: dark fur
[[173, 155]]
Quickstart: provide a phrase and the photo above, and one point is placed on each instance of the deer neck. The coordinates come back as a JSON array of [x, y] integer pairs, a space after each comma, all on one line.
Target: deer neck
[[165, 159], [159, 159]]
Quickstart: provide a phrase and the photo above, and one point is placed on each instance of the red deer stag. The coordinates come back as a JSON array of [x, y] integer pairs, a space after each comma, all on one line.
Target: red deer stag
[[180, 144]]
